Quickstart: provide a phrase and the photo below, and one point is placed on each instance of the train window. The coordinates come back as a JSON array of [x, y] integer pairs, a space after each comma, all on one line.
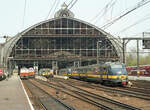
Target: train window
[[116, 66]]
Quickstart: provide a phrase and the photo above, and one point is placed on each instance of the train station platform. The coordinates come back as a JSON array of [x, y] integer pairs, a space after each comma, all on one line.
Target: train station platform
[[13, 95], [139, 78]]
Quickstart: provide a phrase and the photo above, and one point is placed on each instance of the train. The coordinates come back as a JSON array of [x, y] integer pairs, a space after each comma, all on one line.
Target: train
[[26, 73], [31, 72], [144, 70], [46, 72], [2, 75], [113, 73]]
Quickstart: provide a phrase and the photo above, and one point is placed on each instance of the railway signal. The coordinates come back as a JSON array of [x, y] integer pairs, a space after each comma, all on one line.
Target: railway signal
[[146, 44], [146, 40]]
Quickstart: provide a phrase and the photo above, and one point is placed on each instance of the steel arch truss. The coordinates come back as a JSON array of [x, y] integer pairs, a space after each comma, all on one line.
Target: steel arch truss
[[64, 39]]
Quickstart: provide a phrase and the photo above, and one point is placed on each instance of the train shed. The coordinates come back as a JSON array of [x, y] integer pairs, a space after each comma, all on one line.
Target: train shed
[[60, 42]]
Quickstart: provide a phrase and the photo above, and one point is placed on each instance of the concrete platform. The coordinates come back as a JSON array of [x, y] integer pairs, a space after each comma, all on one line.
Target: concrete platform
[[13, 96], [139, 78], [63, 77]]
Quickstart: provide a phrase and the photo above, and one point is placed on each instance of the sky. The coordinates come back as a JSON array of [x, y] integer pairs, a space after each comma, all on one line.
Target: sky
[[12, 15]]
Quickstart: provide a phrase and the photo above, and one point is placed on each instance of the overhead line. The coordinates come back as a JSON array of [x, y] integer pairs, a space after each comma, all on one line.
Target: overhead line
[[101, 11], [106, 9], [50, 10], [24, 13], [141, 32], [56, 6], [140, 4], [73, 4], [70, 3], [137, 22]]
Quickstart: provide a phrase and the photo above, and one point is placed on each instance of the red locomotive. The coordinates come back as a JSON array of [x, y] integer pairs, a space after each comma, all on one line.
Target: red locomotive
[[144, 70], [26, 73], [2, 76]]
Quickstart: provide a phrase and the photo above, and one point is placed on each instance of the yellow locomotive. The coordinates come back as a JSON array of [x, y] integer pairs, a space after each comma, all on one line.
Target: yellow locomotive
[[46, 72]]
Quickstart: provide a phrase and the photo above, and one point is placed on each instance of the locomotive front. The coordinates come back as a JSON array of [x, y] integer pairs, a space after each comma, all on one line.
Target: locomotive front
[[119, 74], [1, 74]]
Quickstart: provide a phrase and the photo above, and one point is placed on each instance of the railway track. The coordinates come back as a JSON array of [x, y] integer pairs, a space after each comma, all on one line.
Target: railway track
[[104, 98], [127, 92], [43, 100], [141, 84], [134, 92], [97, 100], [85, 99], [136, 89]]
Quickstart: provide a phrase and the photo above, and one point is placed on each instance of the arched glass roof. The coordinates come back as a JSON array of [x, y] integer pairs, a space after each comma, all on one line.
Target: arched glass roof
[[65, 26]]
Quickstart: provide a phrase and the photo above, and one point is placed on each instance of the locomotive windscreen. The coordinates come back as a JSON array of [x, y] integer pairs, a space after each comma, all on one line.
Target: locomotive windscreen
[[118, 69], [116, 66]]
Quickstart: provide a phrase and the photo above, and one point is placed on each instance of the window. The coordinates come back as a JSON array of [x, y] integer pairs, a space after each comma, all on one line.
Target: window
[[76, 24], [58, 31], [70, 24], [90, 31], [83, 31], [51, 24], [45, 25], [64, 31], [51, 31], [77, 31], [70, 31], [64, 23], [83, 25], [57, 24], [45, 31]]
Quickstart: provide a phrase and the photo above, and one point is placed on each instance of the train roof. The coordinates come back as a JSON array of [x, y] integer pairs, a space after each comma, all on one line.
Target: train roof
[[97, 65]]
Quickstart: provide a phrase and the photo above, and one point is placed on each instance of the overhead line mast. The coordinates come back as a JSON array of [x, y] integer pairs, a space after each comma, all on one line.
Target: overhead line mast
[[140, 4]]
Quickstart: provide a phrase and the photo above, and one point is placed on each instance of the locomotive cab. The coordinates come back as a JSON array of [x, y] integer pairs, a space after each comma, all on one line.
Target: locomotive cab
[[119, 74]]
